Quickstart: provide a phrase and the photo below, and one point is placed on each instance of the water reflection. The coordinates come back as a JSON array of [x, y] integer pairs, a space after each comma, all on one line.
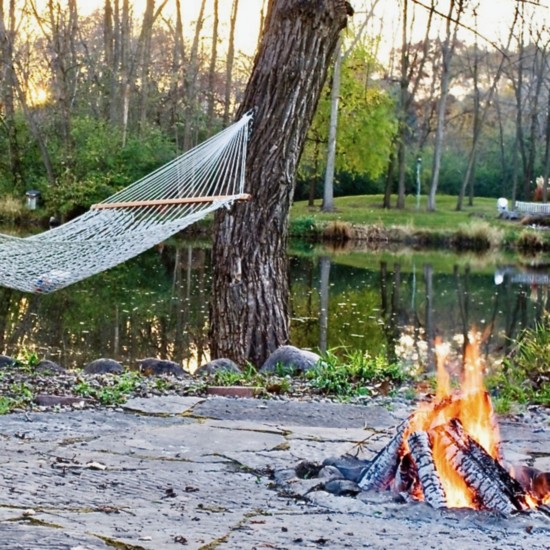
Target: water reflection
[[394, 302]]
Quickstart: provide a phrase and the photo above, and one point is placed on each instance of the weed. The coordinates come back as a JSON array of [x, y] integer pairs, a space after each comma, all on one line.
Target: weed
[[28, 360], [357, 374], [7, 404], [525, 376], [114, 392]]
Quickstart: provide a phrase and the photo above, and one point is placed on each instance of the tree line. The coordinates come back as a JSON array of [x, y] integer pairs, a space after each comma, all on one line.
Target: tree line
[[90, 102]]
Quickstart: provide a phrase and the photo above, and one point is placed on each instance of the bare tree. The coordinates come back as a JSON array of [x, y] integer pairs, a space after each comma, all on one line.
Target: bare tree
[[339, 58], [448, 48], [212, 68], [249, 313], [412, 62], [480, 116], [190, 82], [7, 88], [230, 61]]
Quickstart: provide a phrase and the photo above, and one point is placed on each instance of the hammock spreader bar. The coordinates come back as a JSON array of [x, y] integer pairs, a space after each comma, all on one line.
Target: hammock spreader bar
[[167, 202]]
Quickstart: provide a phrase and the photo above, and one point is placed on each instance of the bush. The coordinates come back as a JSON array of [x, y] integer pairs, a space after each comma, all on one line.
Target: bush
[[12, 210], [477, 235], [525, 375]]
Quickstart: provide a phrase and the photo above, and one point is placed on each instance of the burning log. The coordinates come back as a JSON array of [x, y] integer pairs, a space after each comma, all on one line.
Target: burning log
[[380, 473], [420, 446], [492, 485]]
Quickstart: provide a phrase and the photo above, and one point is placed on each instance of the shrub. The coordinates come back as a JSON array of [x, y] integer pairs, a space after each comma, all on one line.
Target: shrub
[[338, 231], [477, 235], [525, 376], [11, 210], [529, 241]]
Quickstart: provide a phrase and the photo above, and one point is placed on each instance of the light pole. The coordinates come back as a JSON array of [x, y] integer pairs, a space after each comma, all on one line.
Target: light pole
[[418, 170]]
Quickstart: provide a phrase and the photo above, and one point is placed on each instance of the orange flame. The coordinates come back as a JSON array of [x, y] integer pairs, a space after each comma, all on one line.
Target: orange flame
[[471, 404]]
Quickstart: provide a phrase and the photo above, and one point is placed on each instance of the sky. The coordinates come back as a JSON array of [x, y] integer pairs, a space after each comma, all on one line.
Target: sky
[[494, 17], [248, 17]]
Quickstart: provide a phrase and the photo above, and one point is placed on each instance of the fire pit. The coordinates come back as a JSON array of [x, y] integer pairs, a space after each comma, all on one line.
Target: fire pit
[[448, 453]]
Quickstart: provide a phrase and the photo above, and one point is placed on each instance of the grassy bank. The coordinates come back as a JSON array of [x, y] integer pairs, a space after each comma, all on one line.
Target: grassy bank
[[362, 217]]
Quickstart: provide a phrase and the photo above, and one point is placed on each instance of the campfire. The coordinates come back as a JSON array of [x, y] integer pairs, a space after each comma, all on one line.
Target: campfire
[[448, 452]]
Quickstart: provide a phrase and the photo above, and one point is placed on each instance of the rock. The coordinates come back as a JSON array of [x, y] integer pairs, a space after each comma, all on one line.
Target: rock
[[7, 361], [290, 359], [157, 367], [49, 367], [350, 467], [342, 488], [45, 400], [218, 365], [103, 366]]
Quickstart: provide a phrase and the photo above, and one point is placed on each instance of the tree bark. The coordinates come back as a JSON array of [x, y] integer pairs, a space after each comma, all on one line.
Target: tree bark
[[249, 313]]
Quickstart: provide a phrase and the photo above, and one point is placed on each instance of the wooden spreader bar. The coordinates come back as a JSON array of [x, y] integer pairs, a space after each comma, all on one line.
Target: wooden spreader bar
[[169, 202]]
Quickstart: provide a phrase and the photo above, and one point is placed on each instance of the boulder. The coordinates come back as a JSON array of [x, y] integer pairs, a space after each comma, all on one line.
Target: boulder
[[49, 367], [157, 367], [290, 359], [7, 361], [218, 365], [103, 366]]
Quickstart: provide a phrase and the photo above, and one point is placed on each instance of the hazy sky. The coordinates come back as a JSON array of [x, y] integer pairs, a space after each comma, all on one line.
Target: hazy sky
[[494, 17]]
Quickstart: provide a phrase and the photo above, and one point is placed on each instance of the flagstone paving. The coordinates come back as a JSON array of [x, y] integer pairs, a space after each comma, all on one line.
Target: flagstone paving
[[186, 472]]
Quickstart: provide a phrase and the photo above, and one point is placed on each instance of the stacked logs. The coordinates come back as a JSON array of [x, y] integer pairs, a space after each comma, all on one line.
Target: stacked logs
[[410, 470]]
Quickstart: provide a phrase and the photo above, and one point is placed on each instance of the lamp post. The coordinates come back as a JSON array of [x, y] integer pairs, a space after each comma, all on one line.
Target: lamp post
[[418, 170]]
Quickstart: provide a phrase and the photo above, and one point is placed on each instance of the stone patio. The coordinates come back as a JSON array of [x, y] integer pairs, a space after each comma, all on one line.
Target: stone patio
[[182, 472]]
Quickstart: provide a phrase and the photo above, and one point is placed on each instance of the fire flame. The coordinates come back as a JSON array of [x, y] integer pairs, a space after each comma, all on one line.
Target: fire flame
[[470, 404]]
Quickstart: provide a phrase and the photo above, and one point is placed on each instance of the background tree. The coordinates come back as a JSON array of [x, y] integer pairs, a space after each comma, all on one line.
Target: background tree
[[249, 315], [454, 14]]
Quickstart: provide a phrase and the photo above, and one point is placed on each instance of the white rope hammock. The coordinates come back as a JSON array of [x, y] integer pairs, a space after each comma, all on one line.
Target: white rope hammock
[[129, 222]]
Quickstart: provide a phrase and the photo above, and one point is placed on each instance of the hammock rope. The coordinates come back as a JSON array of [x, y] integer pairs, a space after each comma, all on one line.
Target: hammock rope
[[176, 195]]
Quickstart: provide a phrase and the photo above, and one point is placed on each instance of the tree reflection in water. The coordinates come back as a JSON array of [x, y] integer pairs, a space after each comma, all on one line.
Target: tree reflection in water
[[394, 303]]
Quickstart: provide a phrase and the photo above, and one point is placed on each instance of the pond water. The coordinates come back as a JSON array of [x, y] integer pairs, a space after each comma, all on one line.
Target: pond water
[[394, 302]]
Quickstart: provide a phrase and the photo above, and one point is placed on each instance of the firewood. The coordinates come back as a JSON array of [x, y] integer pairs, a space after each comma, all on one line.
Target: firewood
[[381, 471], [421, 452], [493, 486]]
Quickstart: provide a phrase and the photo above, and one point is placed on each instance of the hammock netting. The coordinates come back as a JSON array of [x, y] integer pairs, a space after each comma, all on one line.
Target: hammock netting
[[161, 204]]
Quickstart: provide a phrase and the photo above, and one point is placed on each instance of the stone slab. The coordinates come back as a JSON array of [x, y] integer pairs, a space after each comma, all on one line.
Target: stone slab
[[197, 473]]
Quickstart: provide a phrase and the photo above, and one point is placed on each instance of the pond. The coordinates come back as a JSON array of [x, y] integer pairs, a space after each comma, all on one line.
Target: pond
[[391, 301]]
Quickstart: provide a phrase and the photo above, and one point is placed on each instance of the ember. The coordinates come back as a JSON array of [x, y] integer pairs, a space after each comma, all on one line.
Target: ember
[[448, 451]]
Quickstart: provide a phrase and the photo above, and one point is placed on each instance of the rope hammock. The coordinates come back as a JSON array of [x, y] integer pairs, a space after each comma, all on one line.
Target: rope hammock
[[181, 192]]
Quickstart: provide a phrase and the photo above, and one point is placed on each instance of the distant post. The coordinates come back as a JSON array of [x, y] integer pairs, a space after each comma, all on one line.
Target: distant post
[[418, 170]]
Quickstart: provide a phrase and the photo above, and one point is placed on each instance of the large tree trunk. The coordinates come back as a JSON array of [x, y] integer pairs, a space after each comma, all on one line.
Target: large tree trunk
[[249, 315]]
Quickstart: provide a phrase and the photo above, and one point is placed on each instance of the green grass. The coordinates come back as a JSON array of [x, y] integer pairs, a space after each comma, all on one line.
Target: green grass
[[443, 224]]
